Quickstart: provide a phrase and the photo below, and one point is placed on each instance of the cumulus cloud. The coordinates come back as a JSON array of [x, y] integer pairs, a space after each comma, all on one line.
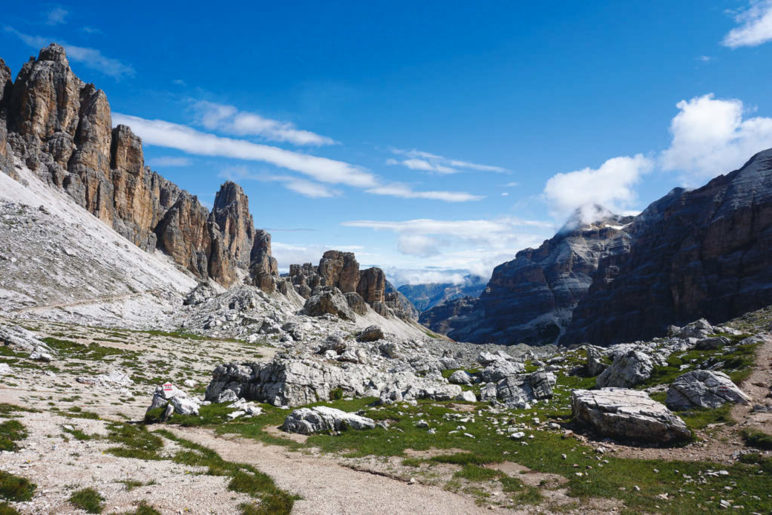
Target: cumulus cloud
[[89, 57], [427, 162], [610, 185], [228, 119], [472, 245], [710, 137], [57, 16], [755, 26]]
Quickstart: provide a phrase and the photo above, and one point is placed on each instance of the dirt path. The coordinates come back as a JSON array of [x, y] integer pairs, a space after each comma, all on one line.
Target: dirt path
[[327, 487], [85, 302]]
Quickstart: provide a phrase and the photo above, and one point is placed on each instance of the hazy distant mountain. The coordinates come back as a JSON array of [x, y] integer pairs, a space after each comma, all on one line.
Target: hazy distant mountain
[[426, 296]]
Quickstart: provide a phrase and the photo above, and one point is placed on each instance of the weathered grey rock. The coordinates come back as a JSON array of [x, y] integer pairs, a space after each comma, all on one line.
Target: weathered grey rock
[[370, 334], [595, 364], [697, 329], [323, 419], [19, 339], [467, 396], [499, 369], [713, 343], [486, 358], [704, 389], [518, 391], [628, 415], [328, 300], [5, 369], [460, 377], [174, 401], [356, 303], [629, 369]]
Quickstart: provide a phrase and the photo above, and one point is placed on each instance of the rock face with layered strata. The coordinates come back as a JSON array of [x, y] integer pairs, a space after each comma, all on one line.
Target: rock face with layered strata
[[61, 128], [699, 253], [531, 298]]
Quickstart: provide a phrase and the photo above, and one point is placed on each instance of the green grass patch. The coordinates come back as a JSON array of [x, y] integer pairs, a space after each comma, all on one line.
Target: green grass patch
[[135, 442], [737, 364], [75, 350], [11, 431], [7, 509], [520, 492], [244, 478], [88, 499], [757, 439], [699, 418], [15, 488], [476, 473], [79, 434]]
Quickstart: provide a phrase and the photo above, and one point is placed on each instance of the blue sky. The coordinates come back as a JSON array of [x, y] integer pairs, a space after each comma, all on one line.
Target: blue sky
[[428, 137]]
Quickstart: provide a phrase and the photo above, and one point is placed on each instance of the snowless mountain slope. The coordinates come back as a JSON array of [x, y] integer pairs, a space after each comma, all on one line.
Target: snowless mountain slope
[[55, 256]]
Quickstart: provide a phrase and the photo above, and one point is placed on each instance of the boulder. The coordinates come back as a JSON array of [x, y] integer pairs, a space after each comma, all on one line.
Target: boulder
[[328, 301], [467, 396], [703, 389], [629, 369], [628, 415], [324, 419], [370, 334], [21, 340], [594, 364], [460, 377], [356, 302], [519, 391], [174, 400], [499, 369], [5, 369], [716, 342]]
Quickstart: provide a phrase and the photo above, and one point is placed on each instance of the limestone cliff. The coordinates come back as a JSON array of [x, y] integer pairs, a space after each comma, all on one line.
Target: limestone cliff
[[61, 128]]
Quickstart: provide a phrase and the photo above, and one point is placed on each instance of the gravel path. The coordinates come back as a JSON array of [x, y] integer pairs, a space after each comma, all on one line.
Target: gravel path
[[327, 487]]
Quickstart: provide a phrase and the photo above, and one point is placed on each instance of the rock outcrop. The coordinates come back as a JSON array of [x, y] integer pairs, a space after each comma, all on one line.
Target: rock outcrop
[[340, 270], [627, 370], [703, 389], [530, 299], [61, 128], [629, 415], [324, 419]]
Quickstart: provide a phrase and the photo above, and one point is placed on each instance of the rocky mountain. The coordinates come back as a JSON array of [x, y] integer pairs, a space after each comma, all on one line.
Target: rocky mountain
[[530, 299], [61, 128], [691, 254], [700, 253], [426, 296]]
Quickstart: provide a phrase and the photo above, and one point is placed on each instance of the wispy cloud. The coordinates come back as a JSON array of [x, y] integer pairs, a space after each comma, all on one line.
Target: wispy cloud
[[711, 137], [192, 141], [170, 161], [89, 57], [755, 26], [228, 119], [303, 187], [320, 169], [427, 162], [57, 16], [404, 191]]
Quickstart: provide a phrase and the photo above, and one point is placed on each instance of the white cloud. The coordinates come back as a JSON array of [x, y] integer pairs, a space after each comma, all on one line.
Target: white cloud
[[290, 254], [755, 28], [56, 16], [170, 161], [228, 119], [403, 191], [427, 162], [181, 137], [303, 187], [171, 135], [610, 185], [710, 137], [89, 57], [400, 276], [418, 245]]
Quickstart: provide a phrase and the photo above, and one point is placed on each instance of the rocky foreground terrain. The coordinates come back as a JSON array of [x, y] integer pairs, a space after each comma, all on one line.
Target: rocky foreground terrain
[[153, 360]]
